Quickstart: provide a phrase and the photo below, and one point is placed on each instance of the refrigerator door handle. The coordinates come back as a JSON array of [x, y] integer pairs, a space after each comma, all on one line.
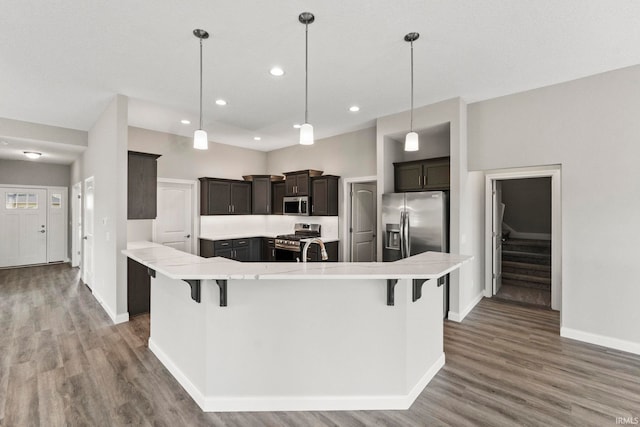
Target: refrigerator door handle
[[402, 254], [407, 235]]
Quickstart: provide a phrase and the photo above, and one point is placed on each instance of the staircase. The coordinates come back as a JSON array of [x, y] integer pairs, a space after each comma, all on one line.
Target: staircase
[[526, 272]]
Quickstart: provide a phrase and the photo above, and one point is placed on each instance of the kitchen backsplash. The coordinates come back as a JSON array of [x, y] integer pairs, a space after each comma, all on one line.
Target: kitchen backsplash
[[212, 226]]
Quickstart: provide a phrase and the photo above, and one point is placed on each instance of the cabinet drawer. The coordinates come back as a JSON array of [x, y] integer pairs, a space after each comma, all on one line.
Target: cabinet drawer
[[237, 243], [222, 244]]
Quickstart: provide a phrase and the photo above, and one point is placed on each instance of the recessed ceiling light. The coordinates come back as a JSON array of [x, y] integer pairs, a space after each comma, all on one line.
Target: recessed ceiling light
[[221, 102], [185, 122], [297, 126], [354, 108], [257, 138], [32, 154], [276, 71]]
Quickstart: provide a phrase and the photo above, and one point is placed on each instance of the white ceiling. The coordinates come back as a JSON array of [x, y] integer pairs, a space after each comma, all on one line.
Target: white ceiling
[[63, 61], [52, 152]]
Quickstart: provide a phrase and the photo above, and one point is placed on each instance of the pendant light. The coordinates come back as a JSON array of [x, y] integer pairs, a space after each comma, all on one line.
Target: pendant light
[[306, 130], [200, 139], [411, 140]]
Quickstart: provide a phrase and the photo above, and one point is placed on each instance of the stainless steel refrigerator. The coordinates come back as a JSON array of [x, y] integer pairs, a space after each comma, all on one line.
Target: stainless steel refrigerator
[[413, 223]]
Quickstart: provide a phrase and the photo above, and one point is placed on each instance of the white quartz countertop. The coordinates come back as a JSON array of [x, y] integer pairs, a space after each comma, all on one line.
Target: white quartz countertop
[[181, 265]]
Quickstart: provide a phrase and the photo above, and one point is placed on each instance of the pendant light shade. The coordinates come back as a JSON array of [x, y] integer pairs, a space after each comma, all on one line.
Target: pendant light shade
[[306, 130], [200, 139], [306, 134], [411, 140]]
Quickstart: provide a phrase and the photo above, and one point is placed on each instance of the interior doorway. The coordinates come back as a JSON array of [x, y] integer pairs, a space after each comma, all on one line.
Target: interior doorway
[[523, 236], [174, 225], [88, 264], [362, 221]]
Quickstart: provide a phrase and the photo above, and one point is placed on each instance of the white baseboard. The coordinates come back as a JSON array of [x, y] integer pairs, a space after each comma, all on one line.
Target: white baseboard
[[115, 318], [615, 343], [296, 403], [459, 317]]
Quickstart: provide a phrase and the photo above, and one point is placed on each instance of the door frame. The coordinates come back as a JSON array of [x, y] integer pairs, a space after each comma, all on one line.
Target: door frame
[[346, 214], [92, 285], [195, 224], [76, 215], [554, 172]]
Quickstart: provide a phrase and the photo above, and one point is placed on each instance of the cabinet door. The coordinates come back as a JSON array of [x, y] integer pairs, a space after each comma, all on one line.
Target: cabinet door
[[291, 182], [206, 248], [320, 194], [437, 176], [242, 253], [302, 182], [261, 196], [408, 177], [224, 253], [241, 198], [138, 288], [268, 250], [278, 191], [142, 186], [219, 197]]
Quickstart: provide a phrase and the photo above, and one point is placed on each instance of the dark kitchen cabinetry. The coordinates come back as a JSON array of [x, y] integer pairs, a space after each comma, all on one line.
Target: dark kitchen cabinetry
[[142, 182], [313, 254], [268, 252], [324, 195], [422, 175], [224, 197], [138, 288], [236, 249], [298, 182], [261, 194], [278, 191]]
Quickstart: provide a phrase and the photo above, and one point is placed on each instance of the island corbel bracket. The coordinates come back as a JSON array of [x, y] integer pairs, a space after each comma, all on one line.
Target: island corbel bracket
[[222, 284], [151, 272], [417, 287], [195, 289], [391, 290]]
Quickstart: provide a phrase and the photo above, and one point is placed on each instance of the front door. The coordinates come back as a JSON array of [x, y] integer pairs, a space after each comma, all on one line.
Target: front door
[[87, 259], [363, 222], [174, 221], [23, 226], [498, 214]]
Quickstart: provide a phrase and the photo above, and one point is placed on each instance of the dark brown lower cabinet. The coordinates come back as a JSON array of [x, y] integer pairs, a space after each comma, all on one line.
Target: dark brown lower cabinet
[[268, 252], [138, 288]]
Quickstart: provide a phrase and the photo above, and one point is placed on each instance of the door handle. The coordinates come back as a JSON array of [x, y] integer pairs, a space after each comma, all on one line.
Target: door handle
[[84, 238], [188, 236], [42, 231]]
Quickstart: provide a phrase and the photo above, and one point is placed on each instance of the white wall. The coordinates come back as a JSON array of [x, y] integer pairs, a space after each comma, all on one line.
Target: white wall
[[465, 235], [106, 160], [590, 126]]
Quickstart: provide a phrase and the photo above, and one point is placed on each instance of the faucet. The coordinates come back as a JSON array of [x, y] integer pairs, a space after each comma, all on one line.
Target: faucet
[[323, 251]]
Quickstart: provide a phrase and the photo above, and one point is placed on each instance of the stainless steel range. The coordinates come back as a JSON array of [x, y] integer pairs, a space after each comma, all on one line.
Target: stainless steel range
[[288, 245]]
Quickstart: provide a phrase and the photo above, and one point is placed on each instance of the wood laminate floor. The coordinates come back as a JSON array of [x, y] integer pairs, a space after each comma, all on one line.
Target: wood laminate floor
[[62, 363]]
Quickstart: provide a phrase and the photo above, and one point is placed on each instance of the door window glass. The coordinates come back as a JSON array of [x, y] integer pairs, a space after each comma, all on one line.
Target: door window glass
[[56, 201], [21, 201]]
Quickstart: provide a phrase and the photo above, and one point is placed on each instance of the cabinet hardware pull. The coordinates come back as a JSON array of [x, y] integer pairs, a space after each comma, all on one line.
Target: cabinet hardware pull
[[419, 180], [229, 208]]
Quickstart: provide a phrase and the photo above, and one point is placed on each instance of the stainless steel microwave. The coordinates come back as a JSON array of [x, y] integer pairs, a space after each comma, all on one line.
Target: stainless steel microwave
[[298, 205]]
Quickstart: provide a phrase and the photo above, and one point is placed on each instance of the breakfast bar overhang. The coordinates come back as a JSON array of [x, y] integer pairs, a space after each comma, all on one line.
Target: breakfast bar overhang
[[297, 336]]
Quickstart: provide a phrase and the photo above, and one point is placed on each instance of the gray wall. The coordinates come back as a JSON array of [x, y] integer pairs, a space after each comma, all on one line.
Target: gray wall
[[21, 172], [351, 154], [528, 204], [590, 126], [180, 161]]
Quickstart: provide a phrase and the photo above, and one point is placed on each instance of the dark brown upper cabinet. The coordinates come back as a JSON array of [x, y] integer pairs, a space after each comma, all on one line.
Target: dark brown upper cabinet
[[261, 193], [297, 183], [224, 197], [277, 195], [324, 195], [142, 185], [422, 175]]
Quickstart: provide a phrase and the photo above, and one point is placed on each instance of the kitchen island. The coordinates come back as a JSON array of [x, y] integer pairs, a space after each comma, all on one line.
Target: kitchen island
[[296, 336]]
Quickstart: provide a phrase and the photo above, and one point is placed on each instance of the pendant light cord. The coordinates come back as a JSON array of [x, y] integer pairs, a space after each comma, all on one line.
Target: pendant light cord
[[200, 84], [411, 125], [306, 72]]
